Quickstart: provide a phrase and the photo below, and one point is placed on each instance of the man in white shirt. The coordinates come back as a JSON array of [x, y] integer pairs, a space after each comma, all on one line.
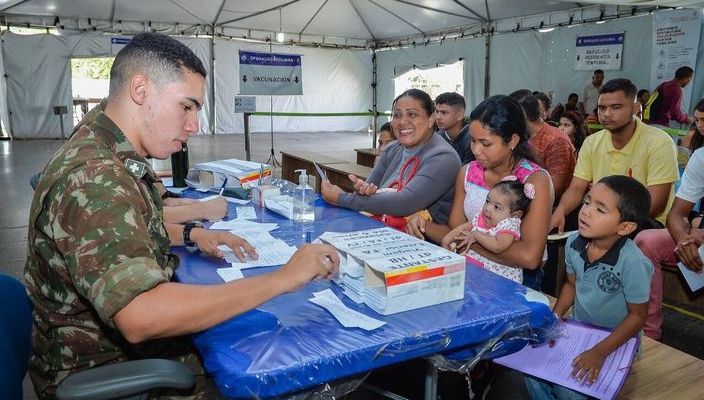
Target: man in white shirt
[[590, 95]]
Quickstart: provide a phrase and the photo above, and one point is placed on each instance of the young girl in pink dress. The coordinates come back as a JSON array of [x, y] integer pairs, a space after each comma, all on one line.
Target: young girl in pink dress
[[498, 225]]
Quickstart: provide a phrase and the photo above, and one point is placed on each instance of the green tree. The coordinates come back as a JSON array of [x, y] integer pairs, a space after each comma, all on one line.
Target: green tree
[[91, 68]]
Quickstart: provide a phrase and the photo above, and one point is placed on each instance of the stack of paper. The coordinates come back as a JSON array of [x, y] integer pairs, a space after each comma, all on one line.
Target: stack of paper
[[393, 272], [236, 173]]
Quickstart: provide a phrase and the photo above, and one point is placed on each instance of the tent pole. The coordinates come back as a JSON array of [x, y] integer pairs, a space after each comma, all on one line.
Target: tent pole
[[212, 124], [374, 99], [487, 63]]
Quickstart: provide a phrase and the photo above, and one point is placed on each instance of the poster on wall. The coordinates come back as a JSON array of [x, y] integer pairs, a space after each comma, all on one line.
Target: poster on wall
[[599, 52], [117, 43], [270, 73], [675, 43]]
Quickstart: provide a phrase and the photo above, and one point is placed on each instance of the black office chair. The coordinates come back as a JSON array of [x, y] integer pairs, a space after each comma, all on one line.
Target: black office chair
[[126, 380]]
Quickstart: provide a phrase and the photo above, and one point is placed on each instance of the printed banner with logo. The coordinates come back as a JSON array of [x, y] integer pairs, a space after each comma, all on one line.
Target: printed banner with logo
[[270, 74], [675, 43], [117, 43], [599, 52]]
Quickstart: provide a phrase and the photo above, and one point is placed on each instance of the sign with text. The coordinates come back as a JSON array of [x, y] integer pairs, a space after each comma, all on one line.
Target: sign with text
[[245, 104], [675, 43], [270, 73], [117, 43], [599, 52]]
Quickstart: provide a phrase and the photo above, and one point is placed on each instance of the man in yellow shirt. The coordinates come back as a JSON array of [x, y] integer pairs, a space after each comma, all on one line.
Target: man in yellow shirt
[[626, 146]]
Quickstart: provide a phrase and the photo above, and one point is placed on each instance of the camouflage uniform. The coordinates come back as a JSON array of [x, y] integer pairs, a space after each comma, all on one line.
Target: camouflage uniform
[[96, 241]]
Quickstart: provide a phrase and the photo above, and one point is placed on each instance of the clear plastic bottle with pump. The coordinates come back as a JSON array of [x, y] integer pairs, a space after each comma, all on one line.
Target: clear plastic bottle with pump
[[303, 199]]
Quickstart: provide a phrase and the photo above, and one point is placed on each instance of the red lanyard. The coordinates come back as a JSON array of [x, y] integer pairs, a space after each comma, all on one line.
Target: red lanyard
[[413, 163]]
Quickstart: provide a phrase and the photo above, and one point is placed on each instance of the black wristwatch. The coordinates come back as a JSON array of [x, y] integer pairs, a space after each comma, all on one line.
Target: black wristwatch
[[187, 233]]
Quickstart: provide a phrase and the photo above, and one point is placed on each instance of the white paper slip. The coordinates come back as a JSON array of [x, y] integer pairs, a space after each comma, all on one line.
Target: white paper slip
[[346, 316], [695, 280], [237, 224], [204, 199], [560, 236], [267, 257], [246, 213], [230, 274], [237, 201], [167, 181], [176, 190]]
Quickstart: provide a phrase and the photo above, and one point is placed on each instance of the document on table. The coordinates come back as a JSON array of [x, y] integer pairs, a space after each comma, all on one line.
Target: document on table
[[346, 316], [236, 200], [204, 199], [555, 363], [271, 251], [246, 213], [237, 224], [230, 274], [695, 280]]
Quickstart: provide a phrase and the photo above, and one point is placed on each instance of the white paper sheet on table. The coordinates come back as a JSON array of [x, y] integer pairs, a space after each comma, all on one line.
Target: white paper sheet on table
[[230, 274], [237, 201], [238, 224], [695, 280], [246, 213], [346, 316], [272, 255]]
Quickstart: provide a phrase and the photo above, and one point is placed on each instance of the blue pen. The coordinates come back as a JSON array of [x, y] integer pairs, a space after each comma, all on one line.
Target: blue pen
[[222, 188]]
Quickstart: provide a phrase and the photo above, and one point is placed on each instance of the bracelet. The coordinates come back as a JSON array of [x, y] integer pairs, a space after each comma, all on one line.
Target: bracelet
[[187, 233]]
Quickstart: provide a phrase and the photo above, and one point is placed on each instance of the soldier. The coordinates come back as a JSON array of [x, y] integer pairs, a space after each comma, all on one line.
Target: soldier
[[99, 262]]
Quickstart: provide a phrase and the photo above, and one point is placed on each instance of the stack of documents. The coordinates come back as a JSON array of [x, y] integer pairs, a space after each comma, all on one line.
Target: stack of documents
[[393, 272], [237, 173], [344, 315]]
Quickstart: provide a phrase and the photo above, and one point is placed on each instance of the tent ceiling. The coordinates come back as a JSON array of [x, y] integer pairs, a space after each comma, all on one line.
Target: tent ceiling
[[363, 20]]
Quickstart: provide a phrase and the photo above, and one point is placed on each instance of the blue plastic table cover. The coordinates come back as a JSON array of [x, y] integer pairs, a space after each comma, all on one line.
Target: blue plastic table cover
[[289, 344]]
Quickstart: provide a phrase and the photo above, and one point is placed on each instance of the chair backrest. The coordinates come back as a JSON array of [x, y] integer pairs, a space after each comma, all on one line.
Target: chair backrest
[[15, 332]]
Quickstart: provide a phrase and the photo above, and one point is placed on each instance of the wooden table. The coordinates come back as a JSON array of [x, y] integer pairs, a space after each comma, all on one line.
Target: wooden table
[[367, 156], [291, 161], [664, 373], [338, 174]]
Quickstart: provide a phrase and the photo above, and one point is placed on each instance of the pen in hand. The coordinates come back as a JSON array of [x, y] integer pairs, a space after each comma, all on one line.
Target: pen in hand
[[222, 188]]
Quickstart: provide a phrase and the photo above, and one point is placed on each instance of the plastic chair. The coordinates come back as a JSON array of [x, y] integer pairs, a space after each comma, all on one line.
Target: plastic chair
[[127, 380]]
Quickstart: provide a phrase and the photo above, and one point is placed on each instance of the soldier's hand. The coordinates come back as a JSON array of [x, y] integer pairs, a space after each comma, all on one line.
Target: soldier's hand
[[214, 209], [209, 240], [309, 262]]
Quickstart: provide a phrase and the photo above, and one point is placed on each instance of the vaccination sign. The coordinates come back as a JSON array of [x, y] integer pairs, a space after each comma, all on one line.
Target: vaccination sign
[[599, 52], [270, 73]]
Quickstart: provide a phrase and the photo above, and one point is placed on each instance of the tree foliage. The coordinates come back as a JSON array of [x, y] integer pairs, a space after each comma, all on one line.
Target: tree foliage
[[91, 68]]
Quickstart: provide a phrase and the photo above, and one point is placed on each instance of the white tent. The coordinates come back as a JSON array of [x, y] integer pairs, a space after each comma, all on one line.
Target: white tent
[[352, 50]]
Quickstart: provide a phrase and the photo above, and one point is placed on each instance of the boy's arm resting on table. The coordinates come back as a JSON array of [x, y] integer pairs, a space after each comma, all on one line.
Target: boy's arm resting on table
[[495, 244], [528, 252], [588, 364], [174, 309]]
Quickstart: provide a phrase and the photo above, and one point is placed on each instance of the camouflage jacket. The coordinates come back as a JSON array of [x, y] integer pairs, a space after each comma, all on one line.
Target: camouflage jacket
[[96, 241]]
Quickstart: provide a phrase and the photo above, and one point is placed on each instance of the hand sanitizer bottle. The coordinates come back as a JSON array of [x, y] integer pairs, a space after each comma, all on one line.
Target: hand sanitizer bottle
[[303, 199]]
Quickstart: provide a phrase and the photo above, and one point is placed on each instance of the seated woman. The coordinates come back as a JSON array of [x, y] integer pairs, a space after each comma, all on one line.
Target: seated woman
[[500, 143], [572, 124], [695, 136], [418, 167], [386, 136]]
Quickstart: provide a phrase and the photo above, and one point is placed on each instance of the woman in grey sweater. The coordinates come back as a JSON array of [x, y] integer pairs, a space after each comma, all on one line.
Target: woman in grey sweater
[[419, 166]]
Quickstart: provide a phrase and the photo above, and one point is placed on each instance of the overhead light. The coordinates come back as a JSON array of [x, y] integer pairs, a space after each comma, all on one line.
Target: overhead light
[[546, 30], [280, 36]]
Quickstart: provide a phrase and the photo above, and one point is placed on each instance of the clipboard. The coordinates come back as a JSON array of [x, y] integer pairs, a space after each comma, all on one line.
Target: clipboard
[[320, 171]]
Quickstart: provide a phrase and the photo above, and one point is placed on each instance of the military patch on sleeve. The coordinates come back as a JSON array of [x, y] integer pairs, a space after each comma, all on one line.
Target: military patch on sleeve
[[137, 168]]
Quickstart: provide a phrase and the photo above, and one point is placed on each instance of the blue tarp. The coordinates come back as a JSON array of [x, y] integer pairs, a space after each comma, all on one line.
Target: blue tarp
[[289, 344]]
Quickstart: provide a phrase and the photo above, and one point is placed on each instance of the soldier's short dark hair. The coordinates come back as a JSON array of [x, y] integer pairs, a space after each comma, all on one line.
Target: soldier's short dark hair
[[452, 99], [620, 84], [159, 57]]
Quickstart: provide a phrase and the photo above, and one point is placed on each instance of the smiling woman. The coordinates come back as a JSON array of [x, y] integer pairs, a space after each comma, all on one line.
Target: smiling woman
[[413, 173]]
